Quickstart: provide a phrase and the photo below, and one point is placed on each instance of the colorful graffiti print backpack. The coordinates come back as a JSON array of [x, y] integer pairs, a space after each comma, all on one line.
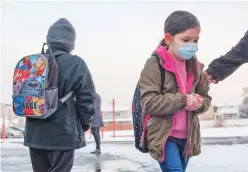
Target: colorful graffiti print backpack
[[139, 129], [35, 85]]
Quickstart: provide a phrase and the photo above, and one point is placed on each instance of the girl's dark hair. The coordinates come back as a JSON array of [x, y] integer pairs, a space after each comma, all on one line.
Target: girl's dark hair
[[178, 22]]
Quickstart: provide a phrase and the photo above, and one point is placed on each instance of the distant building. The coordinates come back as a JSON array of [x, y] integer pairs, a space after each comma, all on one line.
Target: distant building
[[122, 118], [226, 112], [121, 112]]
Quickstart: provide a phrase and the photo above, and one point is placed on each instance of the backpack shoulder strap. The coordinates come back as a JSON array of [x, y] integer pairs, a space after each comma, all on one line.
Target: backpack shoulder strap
[[71, 93], [162, 71], [57, 54]]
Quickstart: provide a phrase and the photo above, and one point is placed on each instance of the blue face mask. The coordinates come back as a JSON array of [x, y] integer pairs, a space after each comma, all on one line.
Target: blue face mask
[[186, 50]]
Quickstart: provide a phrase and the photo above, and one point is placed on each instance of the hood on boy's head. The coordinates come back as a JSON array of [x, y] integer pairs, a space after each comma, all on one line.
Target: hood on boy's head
[[61, 35]]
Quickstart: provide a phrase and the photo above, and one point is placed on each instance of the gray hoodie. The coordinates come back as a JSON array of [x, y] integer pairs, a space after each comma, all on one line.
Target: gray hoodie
[[62, 35]]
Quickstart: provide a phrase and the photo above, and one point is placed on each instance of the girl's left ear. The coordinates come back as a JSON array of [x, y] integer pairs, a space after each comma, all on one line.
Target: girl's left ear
[[168, 38]]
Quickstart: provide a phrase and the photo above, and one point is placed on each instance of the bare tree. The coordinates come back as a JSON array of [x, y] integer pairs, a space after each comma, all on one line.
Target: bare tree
[[243, 110]]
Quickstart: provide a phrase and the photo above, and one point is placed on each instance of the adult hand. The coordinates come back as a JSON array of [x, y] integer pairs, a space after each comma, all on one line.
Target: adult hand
[[194, 102], [210, 79]]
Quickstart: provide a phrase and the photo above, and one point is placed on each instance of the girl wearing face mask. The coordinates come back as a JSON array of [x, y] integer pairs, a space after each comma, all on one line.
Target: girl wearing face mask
[[170, 109]]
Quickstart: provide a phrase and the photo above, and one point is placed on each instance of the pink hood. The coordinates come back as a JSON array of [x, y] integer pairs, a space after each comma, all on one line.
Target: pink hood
[[169, 66]]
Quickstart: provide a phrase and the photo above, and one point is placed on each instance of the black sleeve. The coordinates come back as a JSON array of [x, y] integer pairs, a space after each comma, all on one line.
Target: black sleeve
[[85, 95], [224, 66]]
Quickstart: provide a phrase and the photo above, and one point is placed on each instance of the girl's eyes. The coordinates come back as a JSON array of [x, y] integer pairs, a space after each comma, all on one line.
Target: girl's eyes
[[187, 40]]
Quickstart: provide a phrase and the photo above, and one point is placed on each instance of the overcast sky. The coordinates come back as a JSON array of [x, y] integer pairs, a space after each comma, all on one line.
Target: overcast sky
[[116, 38]]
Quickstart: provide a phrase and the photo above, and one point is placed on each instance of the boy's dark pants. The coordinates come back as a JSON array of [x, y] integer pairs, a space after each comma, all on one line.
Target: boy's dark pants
[[51, 161]]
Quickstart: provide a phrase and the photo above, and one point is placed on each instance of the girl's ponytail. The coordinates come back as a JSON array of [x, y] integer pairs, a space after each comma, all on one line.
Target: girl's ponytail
[[163, 43]]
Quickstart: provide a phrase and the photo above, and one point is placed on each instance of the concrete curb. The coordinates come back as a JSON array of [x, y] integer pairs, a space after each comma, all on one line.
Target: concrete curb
[[225, 140]]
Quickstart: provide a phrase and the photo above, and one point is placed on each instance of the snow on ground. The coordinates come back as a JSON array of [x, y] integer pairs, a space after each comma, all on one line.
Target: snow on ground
[[125, 158], [225, 132], [127, 135]]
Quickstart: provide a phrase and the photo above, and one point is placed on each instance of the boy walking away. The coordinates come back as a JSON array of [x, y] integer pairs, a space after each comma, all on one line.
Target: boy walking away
[[52, 141]]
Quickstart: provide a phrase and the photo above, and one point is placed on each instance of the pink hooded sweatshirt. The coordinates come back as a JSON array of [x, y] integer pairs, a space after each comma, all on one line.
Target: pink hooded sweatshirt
[[184, 81]]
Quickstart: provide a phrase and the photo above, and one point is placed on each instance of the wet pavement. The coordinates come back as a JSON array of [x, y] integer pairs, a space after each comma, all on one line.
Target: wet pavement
[[125, 158]]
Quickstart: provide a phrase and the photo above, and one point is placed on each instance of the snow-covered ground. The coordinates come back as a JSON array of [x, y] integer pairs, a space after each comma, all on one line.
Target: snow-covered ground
[[225, 132], [127, 135], [125, 158], [205, 133]]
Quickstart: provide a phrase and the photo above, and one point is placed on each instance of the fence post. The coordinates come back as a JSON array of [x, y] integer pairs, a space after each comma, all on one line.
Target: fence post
[[114, 118], [3, 129]]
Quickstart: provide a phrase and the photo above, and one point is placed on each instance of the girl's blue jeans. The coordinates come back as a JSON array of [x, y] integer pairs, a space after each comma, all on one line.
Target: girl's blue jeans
[[173, 160]]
